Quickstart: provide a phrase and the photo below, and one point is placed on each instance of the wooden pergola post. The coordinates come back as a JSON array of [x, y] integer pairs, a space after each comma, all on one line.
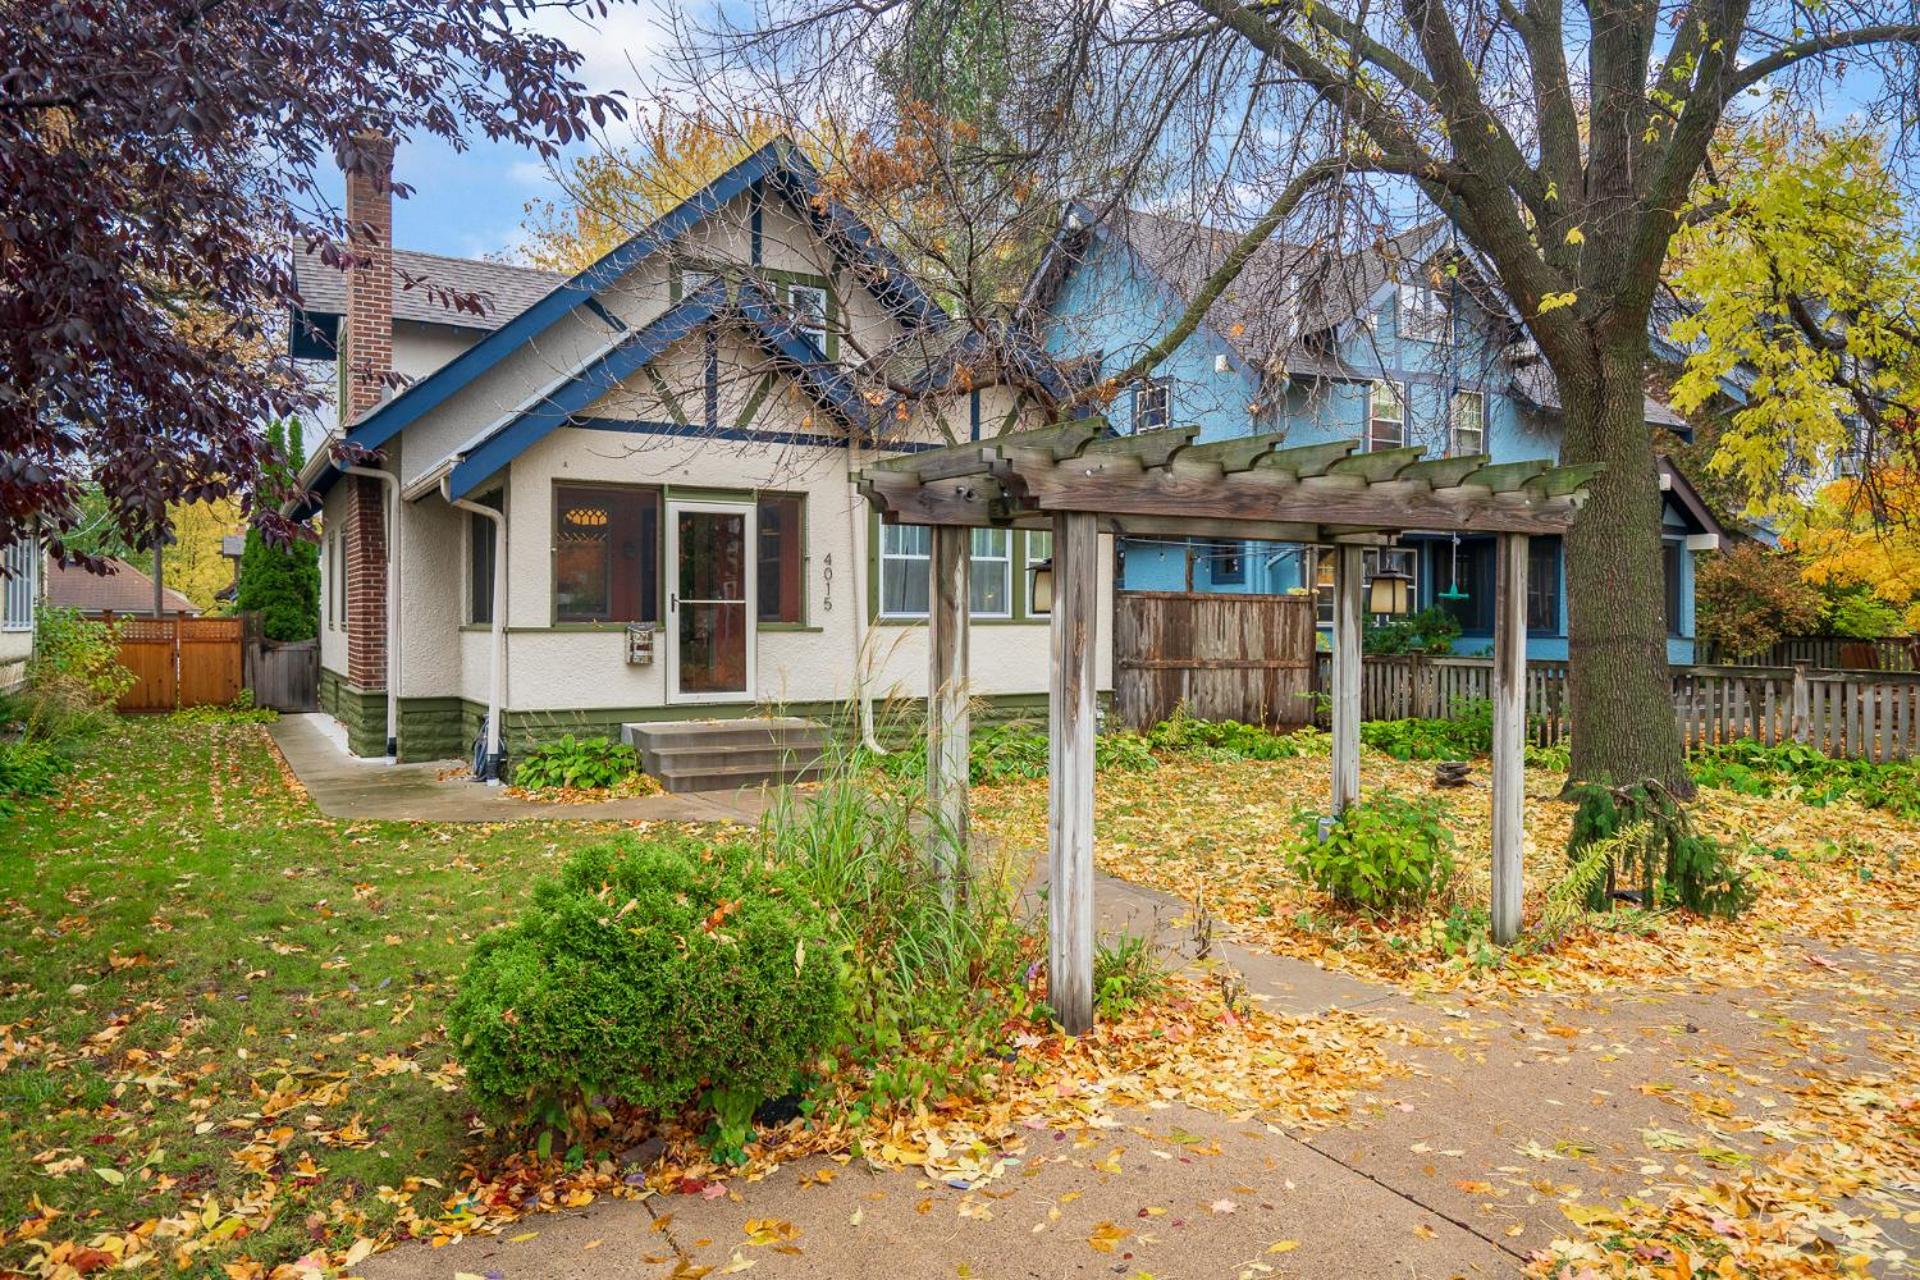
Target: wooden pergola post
[[1349, 571], [1070, 724], [947, 697], [1509, 732]]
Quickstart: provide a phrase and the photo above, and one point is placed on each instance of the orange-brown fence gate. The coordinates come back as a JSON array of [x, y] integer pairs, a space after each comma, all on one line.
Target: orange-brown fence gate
[[179, 661]]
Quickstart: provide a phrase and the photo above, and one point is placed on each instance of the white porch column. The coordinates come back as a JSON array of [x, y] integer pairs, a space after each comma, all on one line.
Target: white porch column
[[1070, 723], [1349, 570], [1509, 732], [947, 695]]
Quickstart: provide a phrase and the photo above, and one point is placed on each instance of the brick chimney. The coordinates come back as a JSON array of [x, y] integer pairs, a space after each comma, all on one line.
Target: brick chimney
[[366, 338]]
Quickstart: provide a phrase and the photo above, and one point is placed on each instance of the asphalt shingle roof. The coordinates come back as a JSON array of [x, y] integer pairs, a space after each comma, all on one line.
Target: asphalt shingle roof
[[504, 290], [125, 590]]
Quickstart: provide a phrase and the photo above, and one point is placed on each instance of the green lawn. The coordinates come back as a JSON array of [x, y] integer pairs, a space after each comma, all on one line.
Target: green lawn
[[214, 1001]]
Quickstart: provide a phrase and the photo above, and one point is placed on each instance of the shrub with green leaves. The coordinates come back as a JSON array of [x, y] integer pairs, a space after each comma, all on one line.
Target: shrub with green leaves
[[1432, 631], [1229, 740], [589, 763], [1387, 853], [1466, 732], [1809, 775], [1676, 863], [654, 973], [1013, 753], [1127, 972], [29, 767]]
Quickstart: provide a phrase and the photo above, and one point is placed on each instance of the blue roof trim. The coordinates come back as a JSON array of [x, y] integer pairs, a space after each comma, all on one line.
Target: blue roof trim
[[606, 372], [770, 326], [778, 164], [745, 435]]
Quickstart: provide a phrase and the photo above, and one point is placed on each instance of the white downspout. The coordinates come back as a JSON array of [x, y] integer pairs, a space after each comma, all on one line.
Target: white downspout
[[497, 672], [391, 483], [862, 691]]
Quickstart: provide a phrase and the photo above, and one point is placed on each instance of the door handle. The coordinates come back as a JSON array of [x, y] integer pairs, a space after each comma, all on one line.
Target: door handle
[[673, 602]]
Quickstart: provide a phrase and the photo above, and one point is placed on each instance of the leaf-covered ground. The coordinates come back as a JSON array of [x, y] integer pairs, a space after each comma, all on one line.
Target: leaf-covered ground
[[1218, 835], [220, 1045]]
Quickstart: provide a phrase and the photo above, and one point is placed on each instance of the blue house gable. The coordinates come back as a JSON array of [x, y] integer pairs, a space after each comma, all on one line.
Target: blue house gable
[[1407, 343]]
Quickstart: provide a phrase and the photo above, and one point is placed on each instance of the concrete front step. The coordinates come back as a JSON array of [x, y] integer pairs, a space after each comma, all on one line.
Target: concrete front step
[[725, 755]]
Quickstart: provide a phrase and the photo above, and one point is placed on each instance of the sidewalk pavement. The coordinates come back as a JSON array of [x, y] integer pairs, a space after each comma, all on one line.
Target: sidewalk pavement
[[346, 786]]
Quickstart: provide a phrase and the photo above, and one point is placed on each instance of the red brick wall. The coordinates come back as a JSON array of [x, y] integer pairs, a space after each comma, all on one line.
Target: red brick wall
[[366, 584], [367, 348]]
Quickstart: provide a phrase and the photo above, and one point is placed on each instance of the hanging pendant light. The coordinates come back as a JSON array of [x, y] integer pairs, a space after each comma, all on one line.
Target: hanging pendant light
[[1390, 592], [1453, 591]]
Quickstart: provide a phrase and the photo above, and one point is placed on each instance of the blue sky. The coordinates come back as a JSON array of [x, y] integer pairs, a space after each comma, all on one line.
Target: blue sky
[[470, 203]]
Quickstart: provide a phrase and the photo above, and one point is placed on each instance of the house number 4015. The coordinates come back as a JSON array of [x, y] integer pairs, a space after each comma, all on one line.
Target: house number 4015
[[826, 578]]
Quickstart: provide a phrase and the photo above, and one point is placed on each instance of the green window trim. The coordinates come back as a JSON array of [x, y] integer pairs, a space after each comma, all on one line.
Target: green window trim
[[1022, 614], [783, 280]]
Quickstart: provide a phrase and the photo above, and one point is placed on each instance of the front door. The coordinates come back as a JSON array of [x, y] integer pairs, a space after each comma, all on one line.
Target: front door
[[710, 593]]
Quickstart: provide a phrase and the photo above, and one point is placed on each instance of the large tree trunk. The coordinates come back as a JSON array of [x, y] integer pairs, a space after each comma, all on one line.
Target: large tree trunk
[[1622, 709]]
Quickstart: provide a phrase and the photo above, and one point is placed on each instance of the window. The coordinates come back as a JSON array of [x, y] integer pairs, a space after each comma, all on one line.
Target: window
[[1226, 562], [17, 567], [905, 550], [906, 553], [606, 554], [1472, 575], [1386, 417], [782, 546], [340, 577], [1670, 553], [1152, 405], [990, 574], [1402, 560], [1543, 586], [1469, 422], [809, 305], [1039, 549], [1424, 314], [692, 282], [482, 547]]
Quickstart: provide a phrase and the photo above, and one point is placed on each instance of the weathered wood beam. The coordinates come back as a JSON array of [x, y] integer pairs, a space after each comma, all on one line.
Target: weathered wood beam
[[1152, 449], [1070, 724], [1378, 466], [1308, 459], [1509, 732], [947, 698], [1349, 570]]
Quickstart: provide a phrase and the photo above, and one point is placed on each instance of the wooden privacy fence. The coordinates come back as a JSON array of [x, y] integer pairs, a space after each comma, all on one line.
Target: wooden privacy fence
[[1227, 657], [1868, 715], [178, 661], [1826, 652], [284, 676]]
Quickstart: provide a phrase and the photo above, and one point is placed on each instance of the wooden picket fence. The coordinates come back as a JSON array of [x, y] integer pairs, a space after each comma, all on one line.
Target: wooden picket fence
[[1867, 715], [1823, 652]]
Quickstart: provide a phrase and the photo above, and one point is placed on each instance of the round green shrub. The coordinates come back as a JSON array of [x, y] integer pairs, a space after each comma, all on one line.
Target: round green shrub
[[1386, 853], [656, 974]]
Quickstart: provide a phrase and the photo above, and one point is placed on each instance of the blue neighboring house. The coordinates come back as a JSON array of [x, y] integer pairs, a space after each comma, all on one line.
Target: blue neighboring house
[[1406, 343]]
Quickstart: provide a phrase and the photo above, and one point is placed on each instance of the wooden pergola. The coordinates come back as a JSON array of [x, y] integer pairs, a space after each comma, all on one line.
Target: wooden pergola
[[1080, 481]]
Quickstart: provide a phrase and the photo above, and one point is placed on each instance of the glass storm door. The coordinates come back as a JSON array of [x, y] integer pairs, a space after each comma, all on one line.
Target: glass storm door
[[710, 602]]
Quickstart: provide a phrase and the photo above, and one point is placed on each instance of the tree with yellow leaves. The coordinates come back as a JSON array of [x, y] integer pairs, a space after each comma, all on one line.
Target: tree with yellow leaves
[[193, 562], [609, 195], [1849, 537]]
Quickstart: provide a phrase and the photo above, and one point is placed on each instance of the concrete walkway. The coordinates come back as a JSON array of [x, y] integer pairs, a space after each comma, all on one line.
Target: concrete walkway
[[347, 786]]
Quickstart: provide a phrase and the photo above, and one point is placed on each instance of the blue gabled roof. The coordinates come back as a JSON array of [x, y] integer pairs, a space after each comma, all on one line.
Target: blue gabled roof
[[778, 166], [475, 462]]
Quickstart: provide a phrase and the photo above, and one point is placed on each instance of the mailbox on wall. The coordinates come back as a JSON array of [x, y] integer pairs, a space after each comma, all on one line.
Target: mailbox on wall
[[640, 644]]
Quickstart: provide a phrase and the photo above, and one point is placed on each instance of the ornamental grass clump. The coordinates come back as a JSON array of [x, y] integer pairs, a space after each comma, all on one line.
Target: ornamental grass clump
[[655, 973], [1385, 854]]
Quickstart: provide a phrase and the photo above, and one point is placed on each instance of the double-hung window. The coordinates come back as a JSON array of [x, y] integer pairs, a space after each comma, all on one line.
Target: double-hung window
[[1386, 416], [1543, 586], [990, 574], [906, 553], [1152, 405], [1468, 419], [483, 545], [1424, 314], [809, 306], [18, 566], [1400, 560]]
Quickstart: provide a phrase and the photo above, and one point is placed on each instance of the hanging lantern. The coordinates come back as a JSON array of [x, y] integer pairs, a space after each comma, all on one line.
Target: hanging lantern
[[1390, 592], [1042, 571]]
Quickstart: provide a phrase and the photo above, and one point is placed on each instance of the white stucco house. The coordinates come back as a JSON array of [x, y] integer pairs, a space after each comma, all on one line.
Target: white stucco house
[[625, 496], [19, 594]]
